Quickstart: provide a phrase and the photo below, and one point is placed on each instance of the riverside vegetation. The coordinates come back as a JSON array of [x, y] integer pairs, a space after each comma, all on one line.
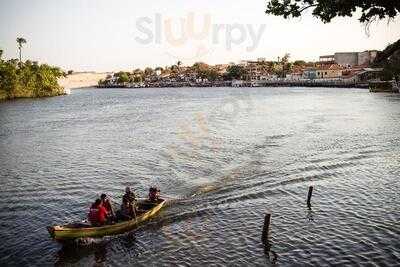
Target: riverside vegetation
[[28, 79]]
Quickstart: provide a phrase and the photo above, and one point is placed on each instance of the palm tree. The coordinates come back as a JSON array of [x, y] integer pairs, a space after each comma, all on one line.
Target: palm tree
[[21, 41]]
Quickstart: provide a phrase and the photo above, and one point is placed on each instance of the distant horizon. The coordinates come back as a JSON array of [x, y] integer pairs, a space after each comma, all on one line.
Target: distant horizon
[[124, 35]]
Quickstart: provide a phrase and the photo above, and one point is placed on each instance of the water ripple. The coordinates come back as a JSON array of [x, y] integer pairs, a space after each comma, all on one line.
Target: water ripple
[[223, 169]]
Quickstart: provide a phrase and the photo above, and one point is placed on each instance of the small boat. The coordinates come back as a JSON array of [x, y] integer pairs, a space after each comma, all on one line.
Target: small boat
[[79, 230]]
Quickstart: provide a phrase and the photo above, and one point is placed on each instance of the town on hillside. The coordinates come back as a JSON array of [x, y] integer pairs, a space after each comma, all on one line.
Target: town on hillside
[[344, 69]]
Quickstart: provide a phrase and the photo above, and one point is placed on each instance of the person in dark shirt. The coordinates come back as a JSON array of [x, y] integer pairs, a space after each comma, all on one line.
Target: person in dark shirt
[[129, 195], [154, 194], [127, 211]]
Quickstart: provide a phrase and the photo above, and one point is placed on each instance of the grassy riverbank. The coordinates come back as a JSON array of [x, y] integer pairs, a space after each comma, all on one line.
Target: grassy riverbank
[[28, 80]]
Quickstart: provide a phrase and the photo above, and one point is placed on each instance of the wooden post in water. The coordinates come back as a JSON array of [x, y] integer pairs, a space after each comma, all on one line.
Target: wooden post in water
[[265, 233], [310, 189]]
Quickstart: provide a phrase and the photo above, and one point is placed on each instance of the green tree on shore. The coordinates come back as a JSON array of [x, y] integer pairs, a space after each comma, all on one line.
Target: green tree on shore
[[212, 75], [391, 63], [28, 79], [122, 77], [175, 69], [148, 72], [21, 41], [285, 65], [138, 75], [235, 72], [201, 69], [299, 63]]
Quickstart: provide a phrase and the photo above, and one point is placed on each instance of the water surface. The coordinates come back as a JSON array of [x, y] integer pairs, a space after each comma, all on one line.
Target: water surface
[[229, 154]]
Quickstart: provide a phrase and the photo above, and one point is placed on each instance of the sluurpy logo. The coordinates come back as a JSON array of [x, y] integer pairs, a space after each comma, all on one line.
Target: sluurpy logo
[[184, 37]]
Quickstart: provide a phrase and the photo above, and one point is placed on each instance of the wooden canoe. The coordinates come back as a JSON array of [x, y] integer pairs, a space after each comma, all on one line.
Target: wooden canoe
[[71, 231]]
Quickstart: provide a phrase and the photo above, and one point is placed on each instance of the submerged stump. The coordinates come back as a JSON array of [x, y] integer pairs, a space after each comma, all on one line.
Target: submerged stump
[[265, 233], [310, 190]]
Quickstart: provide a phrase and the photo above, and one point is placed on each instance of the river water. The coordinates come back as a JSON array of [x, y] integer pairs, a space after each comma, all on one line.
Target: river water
[[227, 156]]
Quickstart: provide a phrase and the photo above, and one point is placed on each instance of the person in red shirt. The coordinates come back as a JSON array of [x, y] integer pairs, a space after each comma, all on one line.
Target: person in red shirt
[[97, 214], [102, 215], [93, 212], [106, 203]]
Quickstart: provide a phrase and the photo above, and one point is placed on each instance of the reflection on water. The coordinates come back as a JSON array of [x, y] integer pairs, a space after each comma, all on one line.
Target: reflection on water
[[224, 156], [270, 255], [310, 214], [75, 253]]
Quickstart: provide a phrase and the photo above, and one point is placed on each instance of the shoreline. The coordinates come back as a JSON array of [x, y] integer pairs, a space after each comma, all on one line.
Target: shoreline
[[4, 97], [247, 85], [375, 87]]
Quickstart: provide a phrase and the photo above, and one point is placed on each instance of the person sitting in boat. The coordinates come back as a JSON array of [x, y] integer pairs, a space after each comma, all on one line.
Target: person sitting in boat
[[129, 195], [127, 211], [154, 194], [97, 214], [106, 203], [93, 211]]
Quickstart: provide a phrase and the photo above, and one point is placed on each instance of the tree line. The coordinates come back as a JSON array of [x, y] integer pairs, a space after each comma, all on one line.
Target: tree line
[[201, 70], [29, 78]]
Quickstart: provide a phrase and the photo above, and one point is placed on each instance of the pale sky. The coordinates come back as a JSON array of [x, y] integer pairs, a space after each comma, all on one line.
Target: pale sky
[[100, 35]]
